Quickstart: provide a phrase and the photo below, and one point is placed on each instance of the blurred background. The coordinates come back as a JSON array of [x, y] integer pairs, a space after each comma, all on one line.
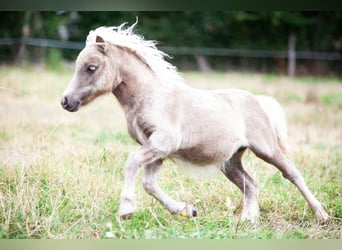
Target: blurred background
[[279, 42]]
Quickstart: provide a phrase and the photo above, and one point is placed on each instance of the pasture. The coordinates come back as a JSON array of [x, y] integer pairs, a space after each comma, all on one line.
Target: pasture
[[61, 173]]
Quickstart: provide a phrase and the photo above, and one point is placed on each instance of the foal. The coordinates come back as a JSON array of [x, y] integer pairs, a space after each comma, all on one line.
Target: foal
[[172, 120]]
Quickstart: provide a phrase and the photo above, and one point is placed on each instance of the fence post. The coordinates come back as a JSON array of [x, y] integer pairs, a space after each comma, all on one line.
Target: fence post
[[25, 32], [203, 63], [292, 55]]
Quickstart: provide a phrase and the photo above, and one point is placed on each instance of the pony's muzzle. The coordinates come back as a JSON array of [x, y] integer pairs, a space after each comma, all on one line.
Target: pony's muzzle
[[70, 105]]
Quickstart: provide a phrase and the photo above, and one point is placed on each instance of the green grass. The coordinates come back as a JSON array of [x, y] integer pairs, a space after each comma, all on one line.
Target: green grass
[[332, 99], [318, 80], [61, 173]]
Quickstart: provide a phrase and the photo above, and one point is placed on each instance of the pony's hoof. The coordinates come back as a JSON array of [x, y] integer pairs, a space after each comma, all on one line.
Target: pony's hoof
[[194, 212], [126, 216], [189, 212], [323, 218], [254, 220], [324, 222]]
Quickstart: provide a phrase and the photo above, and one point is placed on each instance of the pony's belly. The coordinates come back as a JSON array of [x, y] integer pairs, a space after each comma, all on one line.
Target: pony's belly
[[211, 150], [200, 156]]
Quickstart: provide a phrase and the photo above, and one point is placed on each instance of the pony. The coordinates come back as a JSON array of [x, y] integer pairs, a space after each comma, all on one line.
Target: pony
[[170, 119]]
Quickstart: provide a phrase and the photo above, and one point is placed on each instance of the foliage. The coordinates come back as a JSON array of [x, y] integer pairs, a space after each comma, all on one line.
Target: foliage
[[233, 29], [54, 60], [262, 30]]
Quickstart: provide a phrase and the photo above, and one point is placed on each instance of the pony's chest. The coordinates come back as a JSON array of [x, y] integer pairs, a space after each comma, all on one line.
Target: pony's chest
[[139, 129]]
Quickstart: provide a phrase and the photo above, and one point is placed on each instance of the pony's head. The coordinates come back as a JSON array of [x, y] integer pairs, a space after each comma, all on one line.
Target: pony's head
[[94, 75], [99, 63]]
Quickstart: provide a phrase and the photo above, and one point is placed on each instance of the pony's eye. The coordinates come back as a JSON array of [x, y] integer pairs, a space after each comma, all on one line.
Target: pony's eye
[[91, 68]]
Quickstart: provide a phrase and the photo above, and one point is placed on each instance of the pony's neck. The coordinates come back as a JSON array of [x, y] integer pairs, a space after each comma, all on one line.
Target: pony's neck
[[137, 80]]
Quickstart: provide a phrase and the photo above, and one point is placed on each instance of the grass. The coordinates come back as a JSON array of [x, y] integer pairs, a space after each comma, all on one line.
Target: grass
[[61, 173]]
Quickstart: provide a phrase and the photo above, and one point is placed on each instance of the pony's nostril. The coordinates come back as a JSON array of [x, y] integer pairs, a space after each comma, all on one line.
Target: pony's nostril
[[64, 101], [70, 104]]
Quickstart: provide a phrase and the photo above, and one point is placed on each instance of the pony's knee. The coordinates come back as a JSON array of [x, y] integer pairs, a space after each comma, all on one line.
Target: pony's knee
[[131, 165], [149, 185]]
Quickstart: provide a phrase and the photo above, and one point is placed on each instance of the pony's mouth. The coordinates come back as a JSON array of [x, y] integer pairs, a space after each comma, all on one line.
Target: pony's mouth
[[71, 106]]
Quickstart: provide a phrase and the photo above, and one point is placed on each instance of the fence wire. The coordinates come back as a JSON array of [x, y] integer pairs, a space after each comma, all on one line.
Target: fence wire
[[224, 52]]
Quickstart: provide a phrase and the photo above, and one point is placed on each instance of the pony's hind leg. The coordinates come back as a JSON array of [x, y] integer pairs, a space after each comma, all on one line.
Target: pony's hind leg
[[151, 186], [234, 171], [290, 172]]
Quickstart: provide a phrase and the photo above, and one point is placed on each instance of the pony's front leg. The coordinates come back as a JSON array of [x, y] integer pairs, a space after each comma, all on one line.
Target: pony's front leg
[[127, 202], [151, 186], [144, 156], [150, 156]]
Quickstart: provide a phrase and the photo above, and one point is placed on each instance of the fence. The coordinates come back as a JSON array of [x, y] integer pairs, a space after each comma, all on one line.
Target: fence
[[200, 52]]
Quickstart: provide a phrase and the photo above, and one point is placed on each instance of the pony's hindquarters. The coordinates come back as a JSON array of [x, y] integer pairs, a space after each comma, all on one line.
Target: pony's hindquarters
[[275, 157], [277, 118]]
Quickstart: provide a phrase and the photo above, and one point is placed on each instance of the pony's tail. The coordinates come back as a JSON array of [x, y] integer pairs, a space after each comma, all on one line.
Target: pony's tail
[[277, 118]]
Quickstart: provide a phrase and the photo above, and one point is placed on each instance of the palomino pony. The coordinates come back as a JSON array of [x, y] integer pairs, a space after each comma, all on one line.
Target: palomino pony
[[172, 120]]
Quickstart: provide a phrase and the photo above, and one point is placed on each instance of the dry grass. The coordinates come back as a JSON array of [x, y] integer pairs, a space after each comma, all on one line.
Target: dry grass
[[61, 173]]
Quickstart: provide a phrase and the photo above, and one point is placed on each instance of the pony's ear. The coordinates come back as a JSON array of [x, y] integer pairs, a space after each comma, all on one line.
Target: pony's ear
[[101, 44], [99, 39]]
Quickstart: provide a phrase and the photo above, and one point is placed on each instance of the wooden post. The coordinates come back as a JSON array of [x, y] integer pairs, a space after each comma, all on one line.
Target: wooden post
[[25, 33], [292, 56], [203, 64]]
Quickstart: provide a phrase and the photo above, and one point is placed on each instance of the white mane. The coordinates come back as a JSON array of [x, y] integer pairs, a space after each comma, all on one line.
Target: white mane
[[146, 50]]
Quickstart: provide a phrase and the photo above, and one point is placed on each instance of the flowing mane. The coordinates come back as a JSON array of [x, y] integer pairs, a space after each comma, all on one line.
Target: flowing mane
[[146, 50]]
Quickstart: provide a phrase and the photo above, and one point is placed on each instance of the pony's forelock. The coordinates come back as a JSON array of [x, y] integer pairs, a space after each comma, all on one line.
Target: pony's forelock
[[146, 50]]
